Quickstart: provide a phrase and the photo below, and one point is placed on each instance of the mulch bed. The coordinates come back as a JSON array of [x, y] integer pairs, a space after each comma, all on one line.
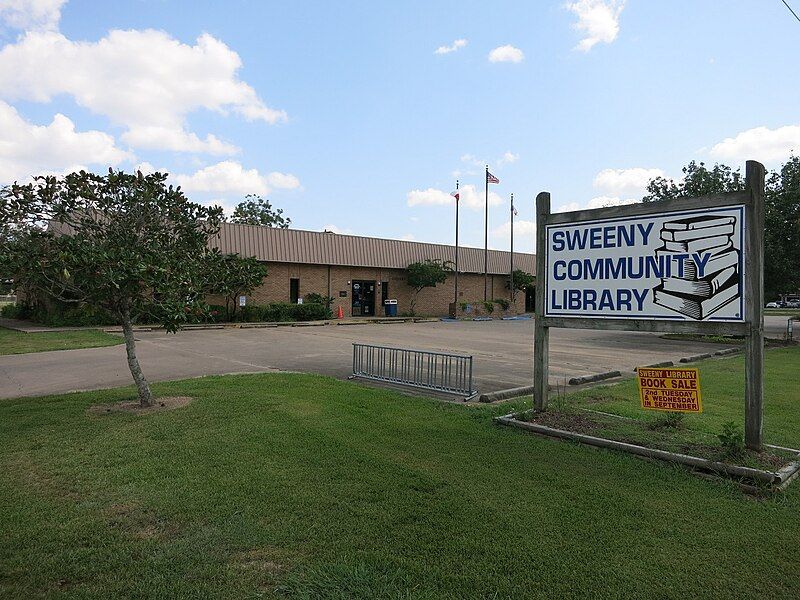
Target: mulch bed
[[133, 407]]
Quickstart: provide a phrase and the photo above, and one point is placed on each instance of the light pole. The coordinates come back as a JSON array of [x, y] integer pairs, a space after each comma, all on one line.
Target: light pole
[[511, 276], [455, 299]]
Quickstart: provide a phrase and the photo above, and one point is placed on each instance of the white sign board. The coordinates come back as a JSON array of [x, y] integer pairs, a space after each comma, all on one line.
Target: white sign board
[[679, 265], [242, 300]]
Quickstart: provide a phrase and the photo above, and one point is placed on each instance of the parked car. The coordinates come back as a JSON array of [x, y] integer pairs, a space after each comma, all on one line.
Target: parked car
[[773, 305], [792, 304]]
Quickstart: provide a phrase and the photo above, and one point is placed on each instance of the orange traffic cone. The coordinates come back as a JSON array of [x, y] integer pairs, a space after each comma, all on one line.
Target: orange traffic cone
[[340, 313]]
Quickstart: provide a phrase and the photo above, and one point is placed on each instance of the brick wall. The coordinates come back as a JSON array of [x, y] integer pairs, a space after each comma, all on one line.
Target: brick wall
[[330, 281]]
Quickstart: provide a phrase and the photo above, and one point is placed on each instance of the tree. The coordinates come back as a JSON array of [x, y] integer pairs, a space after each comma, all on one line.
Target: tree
[[781, 213], [698, 180], [124, 243], [782, 230], [257, 211], [520, 279], [230, 276], [424, 274]]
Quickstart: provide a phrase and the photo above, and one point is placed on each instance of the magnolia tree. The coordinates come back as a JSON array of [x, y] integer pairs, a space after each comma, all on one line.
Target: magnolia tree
[[128, 244], [427, 273]]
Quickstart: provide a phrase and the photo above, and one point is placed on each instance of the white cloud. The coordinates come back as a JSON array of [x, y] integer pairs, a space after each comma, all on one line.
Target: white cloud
[[145, 167], [471, 160], [598, 21], [507, 158], [506, 53], [597, 202], [630, 182], [145, 81], [760, 143], [176, 140], [283, 181], [469, 197], [27, 149], [524, 236], [31, 14], [230, 177], [429, 197], [457, 44], [521, 227]]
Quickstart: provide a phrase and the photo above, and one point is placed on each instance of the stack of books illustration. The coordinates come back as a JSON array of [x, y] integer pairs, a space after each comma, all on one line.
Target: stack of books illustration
[[694, 294]]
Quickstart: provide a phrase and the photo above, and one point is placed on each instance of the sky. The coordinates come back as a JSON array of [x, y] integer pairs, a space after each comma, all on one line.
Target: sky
[[358, 117]]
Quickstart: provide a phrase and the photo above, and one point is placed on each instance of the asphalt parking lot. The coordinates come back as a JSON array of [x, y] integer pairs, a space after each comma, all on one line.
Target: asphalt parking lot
[[502, 352]]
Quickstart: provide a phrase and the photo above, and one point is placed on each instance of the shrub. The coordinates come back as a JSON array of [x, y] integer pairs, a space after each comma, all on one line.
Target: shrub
[[313, 311], [488, 307], [504, 304], [71, 315], [285, 311], [277, 311], [215, 313], [250, 313], [16, 311], [732, 440], [326, 301]]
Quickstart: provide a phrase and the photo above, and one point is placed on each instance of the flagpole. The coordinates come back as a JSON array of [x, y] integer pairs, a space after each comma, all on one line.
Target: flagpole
[[511, 279], [486, 240], [456, 290]]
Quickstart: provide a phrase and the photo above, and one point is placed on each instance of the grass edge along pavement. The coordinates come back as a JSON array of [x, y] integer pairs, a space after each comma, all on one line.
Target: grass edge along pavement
[[17, 342], [613, 412], [294, 485]]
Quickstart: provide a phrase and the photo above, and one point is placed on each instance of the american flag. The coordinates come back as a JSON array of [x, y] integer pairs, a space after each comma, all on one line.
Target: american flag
[[514, 210], [455, 195], [491, 178]]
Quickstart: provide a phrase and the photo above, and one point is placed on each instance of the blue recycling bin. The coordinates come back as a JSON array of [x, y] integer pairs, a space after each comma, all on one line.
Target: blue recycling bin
[[390, 308]]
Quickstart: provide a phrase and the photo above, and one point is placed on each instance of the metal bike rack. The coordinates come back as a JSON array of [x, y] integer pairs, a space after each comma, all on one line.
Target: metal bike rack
[[438, 371]]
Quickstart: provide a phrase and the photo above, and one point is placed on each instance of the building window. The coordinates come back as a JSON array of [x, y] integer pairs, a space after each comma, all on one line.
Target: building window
[[294, 290]]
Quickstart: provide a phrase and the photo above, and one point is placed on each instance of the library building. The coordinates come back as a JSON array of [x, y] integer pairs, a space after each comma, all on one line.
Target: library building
[[362, 273]]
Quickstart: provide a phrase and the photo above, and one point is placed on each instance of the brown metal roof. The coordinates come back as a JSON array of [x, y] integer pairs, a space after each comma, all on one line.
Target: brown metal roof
[[314, 247]]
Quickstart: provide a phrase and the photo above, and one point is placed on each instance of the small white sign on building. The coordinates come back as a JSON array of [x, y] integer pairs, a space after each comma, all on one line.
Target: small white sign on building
[[242, 300], [679, 265]]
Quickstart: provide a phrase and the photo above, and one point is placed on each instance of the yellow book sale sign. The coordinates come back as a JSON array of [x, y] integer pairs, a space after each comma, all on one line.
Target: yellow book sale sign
[[676, 390]]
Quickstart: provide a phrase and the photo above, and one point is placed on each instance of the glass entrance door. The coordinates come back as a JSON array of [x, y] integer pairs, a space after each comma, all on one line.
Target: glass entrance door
[[530, 298], [363, 298]]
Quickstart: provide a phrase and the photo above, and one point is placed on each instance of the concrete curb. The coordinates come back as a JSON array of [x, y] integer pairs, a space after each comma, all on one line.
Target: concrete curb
[[666, 363], [727, 351], [688, 359], [506, 394], [595, 377]]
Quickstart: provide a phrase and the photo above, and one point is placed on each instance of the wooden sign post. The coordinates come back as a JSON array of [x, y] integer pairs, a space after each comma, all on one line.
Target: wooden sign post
[[693, 265]]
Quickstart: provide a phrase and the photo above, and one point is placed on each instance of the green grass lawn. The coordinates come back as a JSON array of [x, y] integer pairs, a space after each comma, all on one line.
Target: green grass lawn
[[722, 389], [17, 342], [301, 486], [783, 312]]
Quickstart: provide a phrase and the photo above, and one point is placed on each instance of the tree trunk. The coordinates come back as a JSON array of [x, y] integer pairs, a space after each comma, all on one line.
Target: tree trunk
[[145, 395]]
